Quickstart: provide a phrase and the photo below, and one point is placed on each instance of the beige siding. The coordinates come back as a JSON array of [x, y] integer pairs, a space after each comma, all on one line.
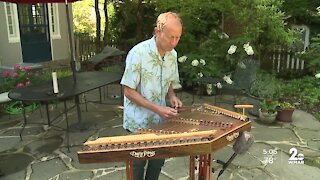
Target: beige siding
[[60, 47], [10, 53]]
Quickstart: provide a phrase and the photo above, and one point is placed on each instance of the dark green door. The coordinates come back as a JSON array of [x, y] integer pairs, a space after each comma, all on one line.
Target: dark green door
[[34, 32]]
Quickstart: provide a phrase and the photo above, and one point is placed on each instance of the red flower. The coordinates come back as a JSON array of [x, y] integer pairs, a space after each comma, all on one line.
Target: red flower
[[16, 67], [19, 85], [269, 101], [15, 74], [28, 68], [5, 73], [28, 83]]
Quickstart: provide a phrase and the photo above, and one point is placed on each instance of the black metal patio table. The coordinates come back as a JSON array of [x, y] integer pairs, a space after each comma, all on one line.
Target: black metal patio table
[[86, 81]]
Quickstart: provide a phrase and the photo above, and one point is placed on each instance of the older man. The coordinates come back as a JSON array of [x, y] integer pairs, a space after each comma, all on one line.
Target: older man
[[150, 73]]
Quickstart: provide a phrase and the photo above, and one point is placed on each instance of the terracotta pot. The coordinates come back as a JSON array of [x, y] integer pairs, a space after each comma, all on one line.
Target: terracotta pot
[[268, 118], [285, 115]]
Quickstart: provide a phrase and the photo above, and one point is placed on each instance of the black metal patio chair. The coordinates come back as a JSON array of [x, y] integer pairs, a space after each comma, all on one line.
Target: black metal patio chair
[[242, 79]]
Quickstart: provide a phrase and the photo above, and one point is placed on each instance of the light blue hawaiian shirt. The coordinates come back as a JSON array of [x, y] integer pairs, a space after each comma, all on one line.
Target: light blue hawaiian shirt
[[151, 76]]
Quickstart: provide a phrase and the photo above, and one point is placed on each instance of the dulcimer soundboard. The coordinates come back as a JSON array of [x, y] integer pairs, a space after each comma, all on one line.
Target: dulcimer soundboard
[[199, 129]]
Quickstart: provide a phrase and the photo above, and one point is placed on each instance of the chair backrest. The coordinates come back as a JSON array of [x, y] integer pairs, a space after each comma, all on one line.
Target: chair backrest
[[243, 77]]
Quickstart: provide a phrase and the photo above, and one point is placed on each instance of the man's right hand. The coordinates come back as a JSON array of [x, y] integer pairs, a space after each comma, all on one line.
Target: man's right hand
[[163, 111], [167, 112]]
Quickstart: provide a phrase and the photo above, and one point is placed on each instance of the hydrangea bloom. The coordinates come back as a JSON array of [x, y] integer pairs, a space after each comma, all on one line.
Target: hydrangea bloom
[[219, 85], [202, 61], [182, 59], [232, 49], [248, 49], [195, 62], [227, 78]]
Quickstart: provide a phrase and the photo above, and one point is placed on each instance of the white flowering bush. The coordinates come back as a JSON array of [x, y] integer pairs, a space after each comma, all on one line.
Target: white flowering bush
[[191, 69], [236, 55]]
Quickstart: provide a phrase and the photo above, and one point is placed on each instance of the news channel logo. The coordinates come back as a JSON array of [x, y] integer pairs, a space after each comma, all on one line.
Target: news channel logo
[[295, 156], [271, 155]]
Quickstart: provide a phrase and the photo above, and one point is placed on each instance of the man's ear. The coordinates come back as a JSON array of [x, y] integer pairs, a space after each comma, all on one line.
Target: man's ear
[[156, 30]]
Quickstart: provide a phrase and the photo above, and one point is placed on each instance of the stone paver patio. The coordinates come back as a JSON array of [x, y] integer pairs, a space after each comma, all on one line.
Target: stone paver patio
[[43, 154]]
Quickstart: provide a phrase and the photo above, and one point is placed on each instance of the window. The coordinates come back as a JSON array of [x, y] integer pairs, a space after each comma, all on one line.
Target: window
[[54, 21], [12, 22]]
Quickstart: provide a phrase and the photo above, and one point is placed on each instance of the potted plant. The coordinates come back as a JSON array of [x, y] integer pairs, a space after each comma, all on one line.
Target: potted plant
[[285, 112], [268, 111]]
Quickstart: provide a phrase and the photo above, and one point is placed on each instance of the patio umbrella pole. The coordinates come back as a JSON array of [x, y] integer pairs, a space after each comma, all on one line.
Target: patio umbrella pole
[[73, 59], [73, 65]]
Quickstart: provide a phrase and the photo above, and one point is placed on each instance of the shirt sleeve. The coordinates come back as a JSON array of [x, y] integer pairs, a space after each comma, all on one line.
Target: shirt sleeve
[[132, 72]]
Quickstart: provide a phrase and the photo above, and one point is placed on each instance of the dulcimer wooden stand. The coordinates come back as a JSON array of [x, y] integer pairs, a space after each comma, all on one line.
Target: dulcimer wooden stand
[[198, 131]]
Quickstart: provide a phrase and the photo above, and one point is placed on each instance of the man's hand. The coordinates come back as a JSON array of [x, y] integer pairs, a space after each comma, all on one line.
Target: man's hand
[[167, 112], [163, 111], [175, 102]]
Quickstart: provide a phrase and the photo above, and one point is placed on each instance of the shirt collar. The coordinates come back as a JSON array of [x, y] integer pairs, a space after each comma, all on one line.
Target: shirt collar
[[154, 49]]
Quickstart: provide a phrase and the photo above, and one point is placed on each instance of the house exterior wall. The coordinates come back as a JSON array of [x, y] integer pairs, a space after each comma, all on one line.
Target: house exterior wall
[[60, 46], [10, 53]]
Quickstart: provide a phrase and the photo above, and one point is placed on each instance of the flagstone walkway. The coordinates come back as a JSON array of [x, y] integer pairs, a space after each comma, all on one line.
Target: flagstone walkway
[[43, 154]]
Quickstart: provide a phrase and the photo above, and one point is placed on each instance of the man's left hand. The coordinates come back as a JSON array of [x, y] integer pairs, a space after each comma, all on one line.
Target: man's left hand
[[175, 102]]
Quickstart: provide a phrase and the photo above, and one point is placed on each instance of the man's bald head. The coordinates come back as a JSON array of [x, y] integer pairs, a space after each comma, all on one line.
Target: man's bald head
[[167, 18], [168, 31]]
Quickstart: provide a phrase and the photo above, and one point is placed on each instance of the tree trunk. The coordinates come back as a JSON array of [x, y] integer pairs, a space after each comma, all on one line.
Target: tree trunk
[[106, 28], [98, 25], [139, 16]]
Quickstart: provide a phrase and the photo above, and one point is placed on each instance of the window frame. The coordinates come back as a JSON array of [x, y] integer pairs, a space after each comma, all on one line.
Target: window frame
[[15, 36], [54, 25]]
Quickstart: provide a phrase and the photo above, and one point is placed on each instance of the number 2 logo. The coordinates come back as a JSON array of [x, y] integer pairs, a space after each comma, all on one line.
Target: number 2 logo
[[294, 155]]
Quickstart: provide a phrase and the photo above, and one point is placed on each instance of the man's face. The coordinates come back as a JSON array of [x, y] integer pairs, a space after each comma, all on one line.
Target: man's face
[[169, 36]]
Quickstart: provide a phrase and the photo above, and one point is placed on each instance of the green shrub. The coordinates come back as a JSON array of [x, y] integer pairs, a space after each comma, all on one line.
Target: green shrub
[[312, 56], [303, 91], [47, 75], [265, 86]]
